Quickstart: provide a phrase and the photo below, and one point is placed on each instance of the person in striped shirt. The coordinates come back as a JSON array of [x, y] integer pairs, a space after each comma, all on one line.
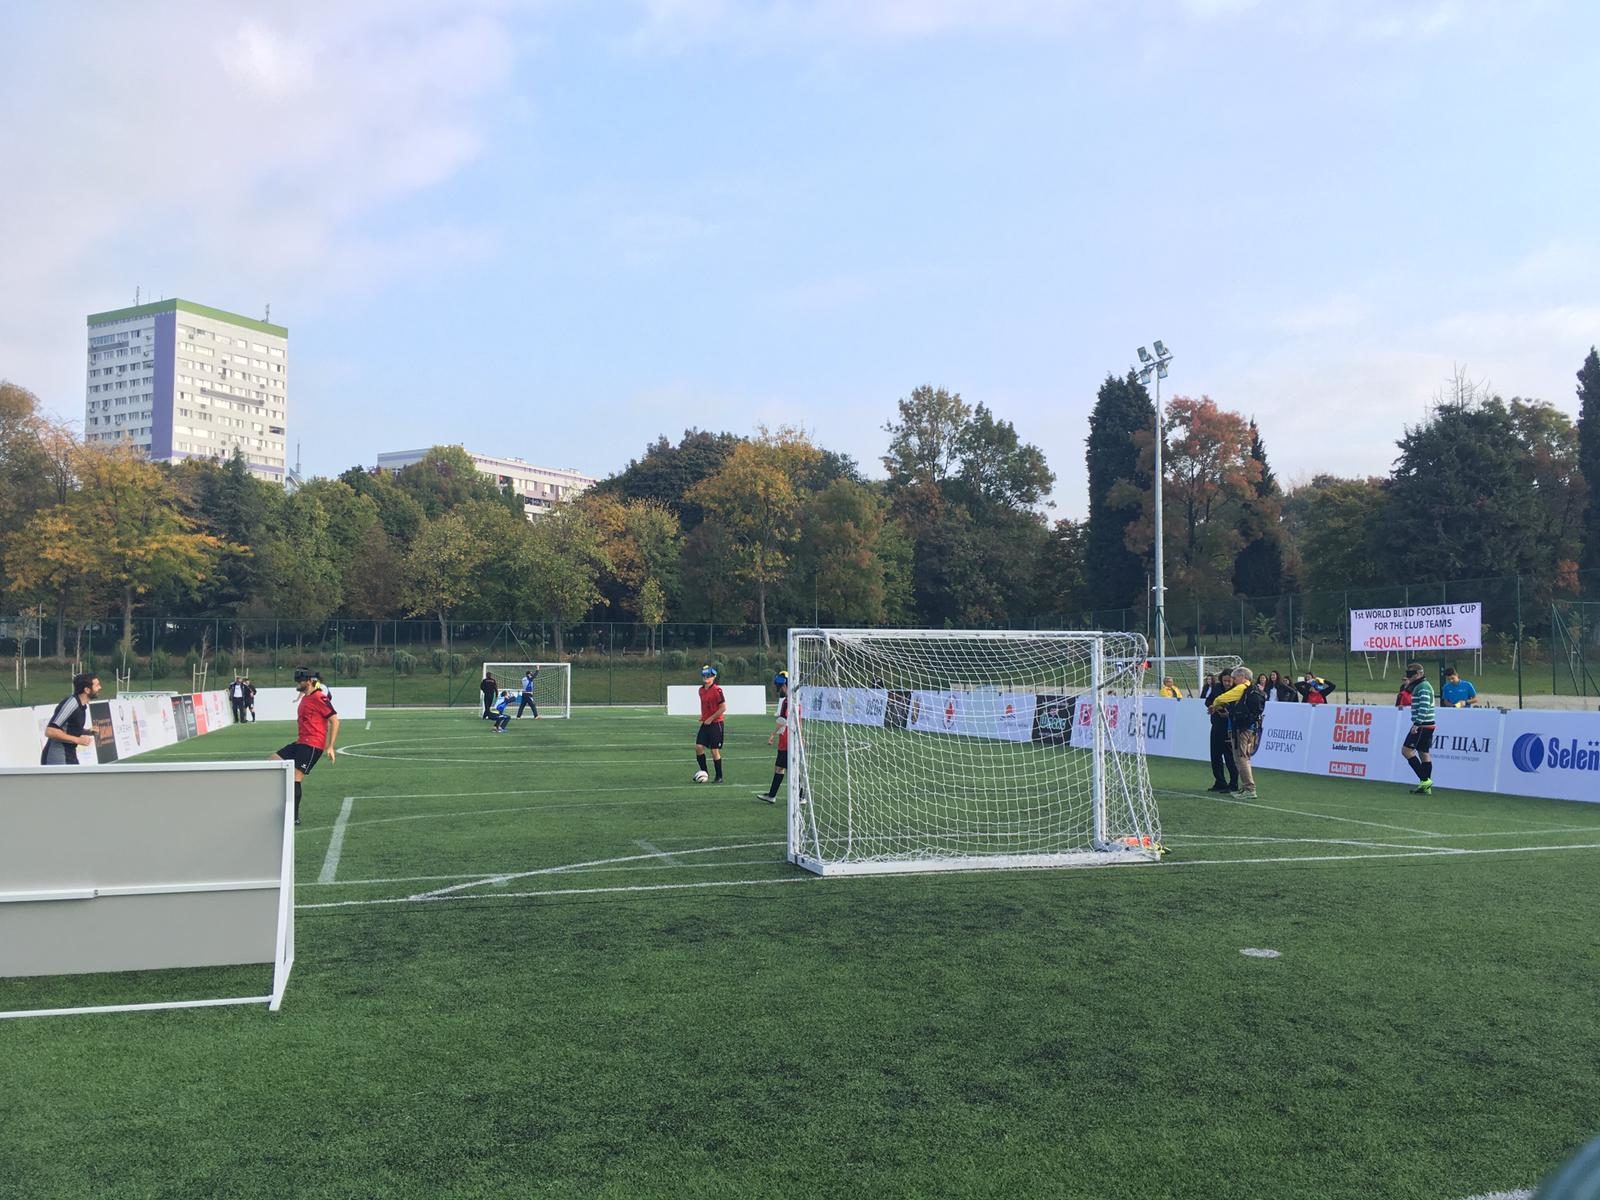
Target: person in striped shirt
[[65, 732], [1418, 748]]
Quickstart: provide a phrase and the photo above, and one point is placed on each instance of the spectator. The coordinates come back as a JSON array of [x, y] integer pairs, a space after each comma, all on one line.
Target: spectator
[[1314, 689], [490, 689], [1402, 698], [1240, 708], [1224, 771], [65, 733], [236, 698], [1457, 692], [1170, 690], [1208, 689], [1279, 688]]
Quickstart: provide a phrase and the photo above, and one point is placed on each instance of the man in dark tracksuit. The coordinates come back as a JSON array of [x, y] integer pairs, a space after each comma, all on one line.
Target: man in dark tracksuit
[[1224, 770], [490, 689]]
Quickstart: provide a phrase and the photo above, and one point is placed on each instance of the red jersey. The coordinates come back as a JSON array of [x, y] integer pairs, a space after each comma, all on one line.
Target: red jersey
[[710, 700], [316, 710], [783, 728]]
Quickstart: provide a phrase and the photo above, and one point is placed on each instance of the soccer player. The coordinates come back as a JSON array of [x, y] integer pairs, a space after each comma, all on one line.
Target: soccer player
[[501, 717], [780, 681], [1418, 748], [317, 730], [713, 707], [1457, 692], [64, 734], [528, 679]]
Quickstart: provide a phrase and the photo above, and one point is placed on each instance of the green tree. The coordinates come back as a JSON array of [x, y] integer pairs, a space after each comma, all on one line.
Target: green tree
[[1258, 571], [848, 564], [439, 570], [566, 558], [447, 478], [1122, 411], [1589, 455], [372, 586], [1550, 462], [299, 562], [399, 511], [35, 474], [925, 443], [1335, 532], [232, 504], [667, 474]]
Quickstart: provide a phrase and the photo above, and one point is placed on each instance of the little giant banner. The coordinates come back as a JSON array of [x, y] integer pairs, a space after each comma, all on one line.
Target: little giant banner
[[1420, 629]]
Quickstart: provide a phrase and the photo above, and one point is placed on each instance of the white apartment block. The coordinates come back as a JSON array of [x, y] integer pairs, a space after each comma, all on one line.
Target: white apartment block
[[541, 488], [179, 380]]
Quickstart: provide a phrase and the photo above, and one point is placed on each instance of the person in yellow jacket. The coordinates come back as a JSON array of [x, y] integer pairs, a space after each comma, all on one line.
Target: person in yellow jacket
[[1170, 690], [1243, 705]]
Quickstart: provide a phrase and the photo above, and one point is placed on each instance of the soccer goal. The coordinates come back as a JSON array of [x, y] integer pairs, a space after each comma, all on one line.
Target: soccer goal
[[1187, 671], [938, 750], [552, 684]]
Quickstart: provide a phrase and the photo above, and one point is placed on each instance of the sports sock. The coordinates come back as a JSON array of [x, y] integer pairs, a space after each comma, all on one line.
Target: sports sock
[[718, 763], [1426, 773], [1416, 766], [701, 759], [297, 802], [777, 781]]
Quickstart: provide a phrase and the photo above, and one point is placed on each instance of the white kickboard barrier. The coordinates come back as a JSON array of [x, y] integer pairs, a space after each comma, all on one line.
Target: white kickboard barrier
[[147, 867], [278, 704], [122, 728], [744, 700], [1531, 752]]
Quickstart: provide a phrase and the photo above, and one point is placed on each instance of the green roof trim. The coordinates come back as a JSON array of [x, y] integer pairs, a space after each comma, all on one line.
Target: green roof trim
[[199, 310]]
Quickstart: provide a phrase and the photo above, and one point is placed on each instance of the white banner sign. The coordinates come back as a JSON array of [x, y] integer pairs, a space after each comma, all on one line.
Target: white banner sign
[[1285, 736], [1351, 741], [848, 706], [1420, 629], [1554, 754], [986, 713]]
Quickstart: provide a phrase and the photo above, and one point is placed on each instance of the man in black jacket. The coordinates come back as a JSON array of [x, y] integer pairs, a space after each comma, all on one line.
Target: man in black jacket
[[490, 689], [1224, 770]]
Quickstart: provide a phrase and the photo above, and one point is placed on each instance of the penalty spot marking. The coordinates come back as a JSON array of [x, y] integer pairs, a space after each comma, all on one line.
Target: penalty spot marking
[[1257, 952]]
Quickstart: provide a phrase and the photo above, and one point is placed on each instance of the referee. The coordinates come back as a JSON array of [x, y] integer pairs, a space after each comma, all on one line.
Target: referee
[[64, 734]]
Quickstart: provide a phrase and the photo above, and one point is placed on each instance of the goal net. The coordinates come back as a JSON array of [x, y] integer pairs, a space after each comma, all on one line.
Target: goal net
[[1187, 671], [919, 750], [552, 685]]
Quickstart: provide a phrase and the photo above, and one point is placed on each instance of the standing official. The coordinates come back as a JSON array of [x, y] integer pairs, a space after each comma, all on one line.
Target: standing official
[[64, 734]]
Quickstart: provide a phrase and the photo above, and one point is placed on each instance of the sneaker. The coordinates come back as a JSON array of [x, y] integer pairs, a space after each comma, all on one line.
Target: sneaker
[[1217, 787], [1246, 794], [1425, 788], [767, 798]]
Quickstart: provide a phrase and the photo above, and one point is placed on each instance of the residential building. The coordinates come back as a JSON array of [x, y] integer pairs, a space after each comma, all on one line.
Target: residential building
[[179, 380], [540, 488]]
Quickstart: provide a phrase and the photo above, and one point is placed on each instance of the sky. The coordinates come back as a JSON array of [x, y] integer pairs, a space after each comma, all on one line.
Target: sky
[[558, 229]]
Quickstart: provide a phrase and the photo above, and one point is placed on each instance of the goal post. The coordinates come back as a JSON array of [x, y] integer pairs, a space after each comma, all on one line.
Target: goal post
[[1188, 671], [552, 684], [938, 750]]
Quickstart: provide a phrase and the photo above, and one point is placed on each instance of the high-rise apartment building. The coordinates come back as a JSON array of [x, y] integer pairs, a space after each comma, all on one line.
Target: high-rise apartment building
[[540, 488], [179, 380]]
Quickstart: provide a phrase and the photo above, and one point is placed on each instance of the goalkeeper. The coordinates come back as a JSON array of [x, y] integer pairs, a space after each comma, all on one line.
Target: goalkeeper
[[529, 678], [780, 683]]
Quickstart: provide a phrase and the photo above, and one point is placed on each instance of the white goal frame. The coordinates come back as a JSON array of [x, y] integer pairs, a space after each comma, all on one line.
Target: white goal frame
[[1104, 734], [562, 671]]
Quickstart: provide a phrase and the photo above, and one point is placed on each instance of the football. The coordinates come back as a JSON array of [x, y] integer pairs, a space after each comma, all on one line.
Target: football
[[701, 777]]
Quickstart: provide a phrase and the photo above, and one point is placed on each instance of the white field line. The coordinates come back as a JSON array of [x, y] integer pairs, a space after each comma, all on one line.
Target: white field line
[[482, 812], [1326, 816], [595, 862], [447, 894], [657, 851], [634, 869], [1407, 811], [1519, 1194], [330, 864], [369, 724]]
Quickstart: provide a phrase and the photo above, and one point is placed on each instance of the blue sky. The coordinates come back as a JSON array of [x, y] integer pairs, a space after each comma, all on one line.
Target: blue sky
[[557, 230]]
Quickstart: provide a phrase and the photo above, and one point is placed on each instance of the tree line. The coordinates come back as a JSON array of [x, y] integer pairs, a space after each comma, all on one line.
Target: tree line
[[773, 529]]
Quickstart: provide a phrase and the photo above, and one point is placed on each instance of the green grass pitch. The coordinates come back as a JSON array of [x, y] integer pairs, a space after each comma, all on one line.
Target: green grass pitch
[[629, 993]]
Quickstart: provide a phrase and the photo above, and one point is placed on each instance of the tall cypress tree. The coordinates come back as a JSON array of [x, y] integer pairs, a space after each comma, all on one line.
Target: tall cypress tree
[[1589, 460], [1123, 408], [1258, 571]]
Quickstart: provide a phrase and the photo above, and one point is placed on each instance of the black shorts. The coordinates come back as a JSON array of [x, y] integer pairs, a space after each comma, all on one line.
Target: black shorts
[[1420, 739], [303, 757], [783, 759], [710, 736]]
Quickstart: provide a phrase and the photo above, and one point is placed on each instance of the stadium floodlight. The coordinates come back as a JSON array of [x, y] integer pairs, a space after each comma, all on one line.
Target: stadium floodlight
[[552, 686], [946, 750], [1158, 367]]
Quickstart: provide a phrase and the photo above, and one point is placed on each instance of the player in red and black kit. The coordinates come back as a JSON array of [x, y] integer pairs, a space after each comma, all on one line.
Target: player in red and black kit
[[318, 730], [713, 706], [780, 681]]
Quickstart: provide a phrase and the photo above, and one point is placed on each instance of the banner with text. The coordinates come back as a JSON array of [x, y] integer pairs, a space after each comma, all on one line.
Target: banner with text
[[1423, 629]]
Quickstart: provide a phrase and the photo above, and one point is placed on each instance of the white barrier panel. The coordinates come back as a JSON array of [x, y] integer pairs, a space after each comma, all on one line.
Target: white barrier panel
[[93, 878], [744, 700], [985, 713], [1352, 741], [1285, 737], [1554, 754], [1170, 728], [1466, 746], [19, 737], [848, 706], [278, 704]]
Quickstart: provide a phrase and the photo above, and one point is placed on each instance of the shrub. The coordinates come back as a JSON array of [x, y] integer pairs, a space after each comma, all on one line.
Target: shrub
[[740, 667], [440, 659], [677, 660], [458, 664], [404, 663], [160, 664], [222, 663]]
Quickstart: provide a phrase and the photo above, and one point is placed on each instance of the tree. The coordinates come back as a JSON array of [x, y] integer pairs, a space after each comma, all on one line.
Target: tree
[[1589, 455], [1062, 580], [35, 473], [299, 566], [668, 473], [399, 511], [1122, 410], [1335, 530], [1459, 505], [439, 571], [1258, 571], [566, 557], [1210, 479], [235, 506], [925, 443], [996, 468], [846, 561], [1550, 445], [372, 584], [755, 499], [124, 518], [446, 478]]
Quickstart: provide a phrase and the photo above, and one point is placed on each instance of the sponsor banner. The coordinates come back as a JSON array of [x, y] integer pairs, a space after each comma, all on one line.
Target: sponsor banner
[[1352, 741], [1285, 736], [1426, 629], [183, 717], [1175, 728], [202, 722], [104, 730], [218, 712], [1052, 719], [126, 729], [1083, 726], [158, 712], [1553, 754], [984, 713], [848, 706], [1466, 746]]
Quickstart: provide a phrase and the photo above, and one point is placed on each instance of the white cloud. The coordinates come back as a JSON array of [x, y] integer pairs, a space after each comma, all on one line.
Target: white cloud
[[199, 151]]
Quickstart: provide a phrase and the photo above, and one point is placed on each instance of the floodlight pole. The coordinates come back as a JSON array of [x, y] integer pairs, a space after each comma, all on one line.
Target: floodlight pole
[[1157, 366]]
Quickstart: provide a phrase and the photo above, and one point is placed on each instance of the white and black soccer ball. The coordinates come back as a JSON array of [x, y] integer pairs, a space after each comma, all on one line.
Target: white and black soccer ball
[[701, 777]]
